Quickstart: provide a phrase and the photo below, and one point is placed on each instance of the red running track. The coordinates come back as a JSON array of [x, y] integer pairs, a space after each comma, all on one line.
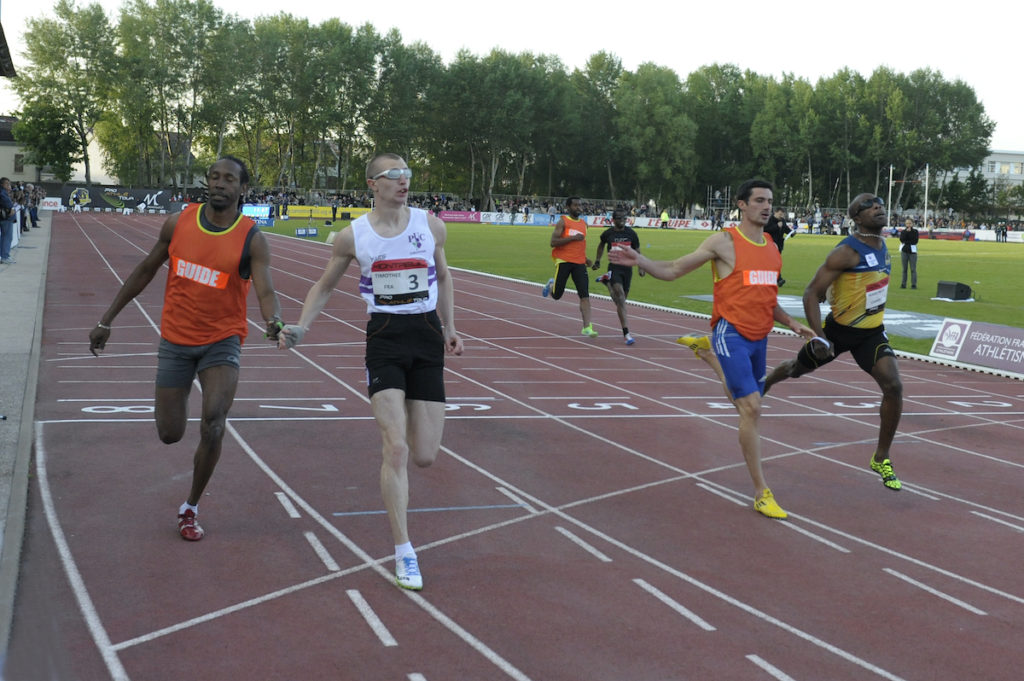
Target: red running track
[[589, 517]]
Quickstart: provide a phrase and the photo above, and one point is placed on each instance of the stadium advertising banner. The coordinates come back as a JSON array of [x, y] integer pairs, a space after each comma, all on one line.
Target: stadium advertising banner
[[116, 198], [459, 216], [256, 211], [295, 211], [981, 344], [490, 218]]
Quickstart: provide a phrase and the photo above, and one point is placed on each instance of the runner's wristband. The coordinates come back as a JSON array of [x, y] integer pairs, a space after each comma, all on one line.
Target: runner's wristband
[[274, 327], [102, 326]]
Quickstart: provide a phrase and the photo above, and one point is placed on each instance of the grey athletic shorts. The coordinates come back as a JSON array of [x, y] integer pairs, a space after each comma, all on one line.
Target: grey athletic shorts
[[177, 365]]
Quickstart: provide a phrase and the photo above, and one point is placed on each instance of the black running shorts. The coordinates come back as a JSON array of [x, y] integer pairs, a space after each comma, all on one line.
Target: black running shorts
[[866, 345], [406, 352]]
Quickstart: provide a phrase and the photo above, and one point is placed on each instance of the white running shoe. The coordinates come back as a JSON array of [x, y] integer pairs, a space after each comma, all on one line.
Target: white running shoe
[[407, 573]]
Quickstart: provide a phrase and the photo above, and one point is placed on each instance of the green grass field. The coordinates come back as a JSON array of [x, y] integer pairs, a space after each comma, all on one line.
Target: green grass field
[[992, 270]]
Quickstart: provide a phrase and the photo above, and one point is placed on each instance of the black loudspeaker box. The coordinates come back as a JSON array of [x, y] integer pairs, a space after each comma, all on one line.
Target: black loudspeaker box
[[954, 290]]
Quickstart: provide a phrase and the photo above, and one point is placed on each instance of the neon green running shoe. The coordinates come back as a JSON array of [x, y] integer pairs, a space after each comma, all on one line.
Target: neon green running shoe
[[589, 331], [889, 478]]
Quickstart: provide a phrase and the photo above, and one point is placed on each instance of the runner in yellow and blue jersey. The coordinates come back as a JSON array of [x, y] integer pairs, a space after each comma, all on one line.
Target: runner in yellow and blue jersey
[[855, 280]]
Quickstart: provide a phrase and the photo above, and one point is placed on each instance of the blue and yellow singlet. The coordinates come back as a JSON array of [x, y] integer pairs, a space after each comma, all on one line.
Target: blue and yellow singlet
[[858, 295]]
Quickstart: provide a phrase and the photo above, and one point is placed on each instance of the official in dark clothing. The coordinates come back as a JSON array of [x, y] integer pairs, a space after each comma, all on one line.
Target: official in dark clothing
[[777, 229], [908, 252]]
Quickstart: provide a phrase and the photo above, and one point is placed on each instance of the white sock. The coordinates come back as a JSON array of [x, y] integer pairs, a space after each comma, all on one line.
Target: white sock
[[404, 550], [188, 507]]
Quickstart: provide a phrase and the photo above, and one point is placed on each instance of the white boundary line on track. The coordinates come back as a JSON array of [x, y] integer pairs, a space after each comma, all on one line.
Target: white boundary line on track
[[776, 673], [675, 605], [85, 604], [375, 623], [935, 592], [589, 548], [321, 551]]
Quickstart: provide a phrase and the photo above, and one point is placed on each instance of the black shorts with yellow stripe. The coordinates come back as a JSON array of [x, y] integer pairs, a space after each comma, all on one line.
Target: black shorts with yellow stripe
[[867, 346]]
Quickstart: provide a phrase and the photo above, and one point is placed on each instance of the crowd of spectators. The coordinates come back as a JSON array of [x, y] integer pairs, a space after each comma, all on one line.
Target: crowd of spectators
[[817, 219], [19, 212]]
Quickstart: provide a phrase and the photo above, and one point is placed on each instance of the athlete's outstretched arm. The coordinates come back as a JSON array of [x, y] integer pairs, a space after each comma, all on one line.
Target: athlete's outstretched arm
[[342, 254], [135, 284]]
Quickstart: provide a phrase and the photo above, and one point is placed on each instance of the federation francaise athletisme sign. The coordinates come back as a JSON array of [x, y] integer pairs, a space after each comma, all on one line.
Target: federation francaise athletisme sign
[[987, 345]]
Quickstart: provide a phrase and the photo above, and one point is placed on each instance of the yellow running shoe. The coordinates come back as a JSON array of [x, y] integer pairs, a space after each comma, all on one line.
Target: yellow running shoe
[[766, 505], [589, 331], [889, 478], [695, 343]]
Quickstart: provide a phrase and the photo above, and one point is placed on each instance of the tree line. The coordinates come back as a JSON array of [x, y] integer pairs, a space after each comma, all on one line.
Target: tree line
[[306, 104]]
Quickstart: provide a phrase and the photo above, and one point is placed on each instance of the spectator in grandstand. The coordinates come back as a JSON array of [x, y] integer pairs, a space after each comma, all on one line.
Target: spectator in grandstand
[[214, 252], [618, 277], [855, 278], [745, 266], [569, 251], [411, 327], [908, 252], [778, 230], [7, 218]]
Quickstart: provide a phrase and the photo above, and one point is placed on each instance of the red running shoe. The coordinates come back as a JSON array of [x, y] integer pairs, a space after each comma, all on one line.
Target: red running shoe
[[188, 526]]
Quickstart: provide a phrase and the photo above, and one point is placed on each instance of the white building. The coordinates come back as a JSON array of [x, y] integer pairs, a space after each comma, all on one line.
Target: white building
[[12, 157], [1001, 168]]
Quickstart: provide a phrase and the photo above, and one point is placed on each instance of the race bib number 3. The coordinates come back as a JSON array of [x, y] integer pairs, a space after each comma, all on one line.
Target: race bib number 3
[[399, 282]]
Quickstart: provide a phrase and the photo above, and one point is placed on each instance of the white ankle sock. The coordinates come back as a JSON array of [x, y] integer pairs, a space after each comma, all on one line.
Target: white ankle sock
[[188, 507], [404, 550]]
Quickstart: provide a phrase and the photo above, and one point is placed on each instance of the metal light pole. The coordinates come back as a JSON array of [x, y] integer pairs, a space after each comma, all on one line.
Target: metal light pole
[[926, 175], [888, 213]]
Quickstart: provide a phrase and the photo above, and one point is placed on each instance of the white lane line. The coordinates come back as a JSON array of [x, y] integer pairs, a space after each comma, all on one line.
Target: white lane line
[[675, 605], [561, 512], [998, 520], [289, 507], [584, 545], [444, 620], [789, 525], [416, 677], [517, 500], [912, 490], [727, 497], [371, 618], [816, 537], [85, 604], [935, 592], [775, 672], [322, 552]]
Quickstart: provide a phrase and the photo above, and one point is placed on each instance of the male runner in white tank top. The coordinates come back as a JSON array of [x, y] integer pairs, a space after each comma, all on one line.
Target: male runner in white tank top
[[404, 280]]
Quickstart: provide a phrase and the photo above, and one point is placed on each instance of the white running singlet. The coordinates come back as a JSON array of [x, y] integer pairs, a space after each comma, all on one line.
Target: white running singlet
[[397, 274]]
